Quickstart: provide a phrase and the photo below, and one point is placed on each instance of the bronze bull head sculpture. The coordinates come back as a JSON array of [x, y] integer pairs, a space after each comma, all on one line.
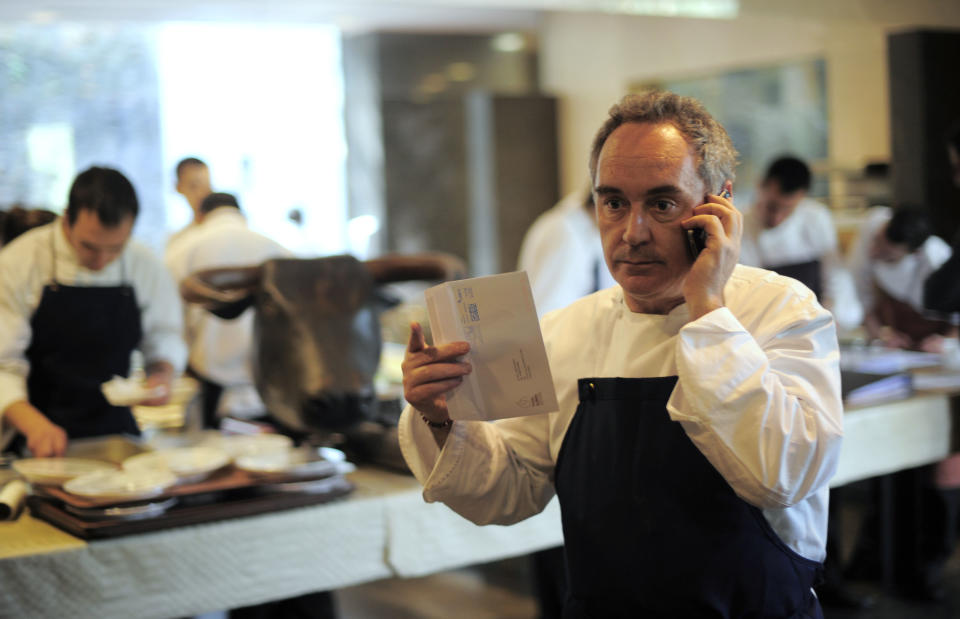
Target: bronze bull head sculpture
[[317, 335]]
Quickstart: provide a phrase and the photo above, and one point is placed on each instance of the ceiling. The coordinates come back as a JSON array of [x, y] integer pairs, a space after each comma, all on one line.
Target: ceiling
[[460, 15]]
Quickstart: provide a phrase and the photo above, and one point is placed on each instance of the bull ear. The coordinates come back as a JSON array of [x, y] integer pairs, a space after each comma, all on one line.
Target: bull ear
[[432, 266], [224, 292]]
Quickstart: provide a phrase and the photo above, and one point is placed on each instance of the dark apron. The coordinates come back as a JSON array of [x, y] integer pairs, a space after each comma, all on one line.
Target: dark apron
[[810, 274], [80, 338], [651, 529]]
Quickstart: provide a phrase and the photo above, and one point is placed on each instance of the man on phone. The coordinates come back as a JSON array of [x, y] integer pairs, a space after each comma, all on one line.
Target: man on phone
[[700, 417]]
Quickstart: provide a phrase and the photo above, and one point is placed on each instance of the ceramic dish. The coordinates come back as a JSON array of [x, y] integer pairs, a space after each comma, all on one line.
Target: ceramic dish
[[187, 463], [239, 445], [56, 471], [121, 485], [295, 462]]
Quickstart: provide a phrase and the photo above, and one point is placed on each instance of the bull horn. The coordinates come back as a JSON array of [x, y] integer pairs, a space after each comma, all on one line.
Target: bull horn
[[433, 266], [225, 292]]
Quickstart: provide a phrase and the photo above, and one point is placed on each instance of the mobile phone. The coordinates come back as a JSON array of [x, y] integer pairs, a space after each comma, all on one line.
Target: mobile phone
[[697, 237]]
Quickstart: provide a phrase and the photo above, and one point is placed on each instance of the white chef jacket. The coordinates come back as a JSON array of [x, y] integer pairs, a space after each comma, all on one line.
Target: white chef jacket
[[903, 280], [177, 237], [563, 256], [807, 234], [758, 393], [220, 350], [26, 266]]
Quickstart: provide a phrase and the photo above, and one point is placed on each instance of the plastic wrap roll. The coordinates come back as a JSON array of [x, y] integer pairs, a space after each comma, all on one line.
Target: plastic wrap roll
[[12, 497]]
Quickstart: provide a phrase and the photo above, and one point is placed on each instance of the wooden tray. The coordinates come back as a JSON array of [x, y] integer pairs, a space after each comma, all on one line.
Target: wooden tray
[[227, 478], [195, 508]]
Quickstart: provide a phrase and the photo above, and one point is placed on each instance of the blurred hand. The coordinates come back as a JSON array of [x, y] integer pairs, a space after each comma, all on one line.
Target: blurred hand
[[723, 223], [159, 374], [44, 438], [429, 372], [48, 440], [931, 343], [891, 338]]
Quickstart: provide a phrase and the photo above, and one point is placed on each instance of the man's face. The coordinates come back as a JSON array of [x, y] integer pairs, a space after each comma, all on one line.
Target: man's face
[[774, 205], [96, 245], [194, 184], [885, 250], [646, 184]]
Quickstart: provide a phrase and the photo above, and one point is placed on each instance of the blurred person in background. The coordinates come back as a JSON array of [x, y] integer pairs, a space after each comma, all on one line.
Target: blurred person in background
[[788, 232], [890, 260], [76, 298], [193, 183], [220, 350]]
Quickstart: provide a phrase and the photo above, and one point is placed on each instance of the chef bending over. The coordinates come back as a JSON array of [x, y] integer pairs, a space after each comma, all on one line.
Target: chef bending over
[[700, 416], [76, 298]]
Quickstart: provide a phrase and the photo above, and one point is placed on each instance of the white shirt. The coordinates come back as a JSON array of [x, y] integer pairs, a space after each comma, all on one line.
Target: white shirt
[[758, 393], [177, 237], [220, 350], [807, 234], [903, 280], [26, 266], [563, 256]]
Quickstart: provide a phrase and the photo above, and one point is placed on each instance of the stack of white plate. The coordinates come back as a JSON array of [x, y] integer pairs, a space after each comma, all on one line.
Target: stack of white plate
[[121, 485], [240, 445], [188, 464]]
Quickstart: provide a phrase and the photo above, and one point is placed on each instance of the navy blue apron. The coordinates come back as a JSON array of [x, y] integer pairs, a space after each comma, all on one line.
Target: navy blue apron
[[651, 529], [810, 274], [80, 338]]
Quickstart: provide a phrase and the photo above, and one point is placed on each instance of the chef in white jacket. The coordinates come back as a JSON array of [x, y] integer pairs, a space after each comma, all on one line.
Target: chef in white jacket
[[786, 231], [77, 297], [221, 351], [700, 417], [891, 259]]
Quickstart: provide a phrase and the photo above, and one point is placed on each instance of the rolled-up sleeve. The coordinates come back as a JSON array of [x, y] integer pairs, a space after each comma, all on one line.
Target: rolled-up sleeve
[[489, 473], [764, 409]]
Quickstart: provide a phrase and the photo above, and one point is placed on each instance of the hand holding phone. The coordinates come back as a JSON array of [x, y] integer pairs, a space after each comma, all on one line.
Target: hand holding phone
[[697, 237]]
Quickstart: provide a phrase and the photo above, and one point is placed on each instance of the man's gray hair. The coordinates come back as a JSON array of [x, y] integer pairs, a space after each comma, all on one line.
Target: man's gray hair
[[717, 158]]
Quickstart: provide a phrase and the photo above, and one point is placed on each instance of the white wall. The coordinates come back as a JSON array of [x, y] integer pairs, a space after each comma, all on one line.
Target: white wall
[[589, 61]]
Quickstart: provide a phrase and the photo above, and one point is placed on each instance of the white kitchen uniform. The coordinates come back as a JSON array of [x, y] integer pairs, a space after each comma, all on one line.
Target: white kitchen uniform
[[807, 235], [903, 280], [220, 350], [563, 256], [758, 394], [27, 265]]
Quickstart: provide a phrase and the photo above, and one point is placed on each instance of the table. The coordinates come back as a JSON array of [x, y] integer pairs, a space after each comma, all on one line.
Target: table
[[384, 529]]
